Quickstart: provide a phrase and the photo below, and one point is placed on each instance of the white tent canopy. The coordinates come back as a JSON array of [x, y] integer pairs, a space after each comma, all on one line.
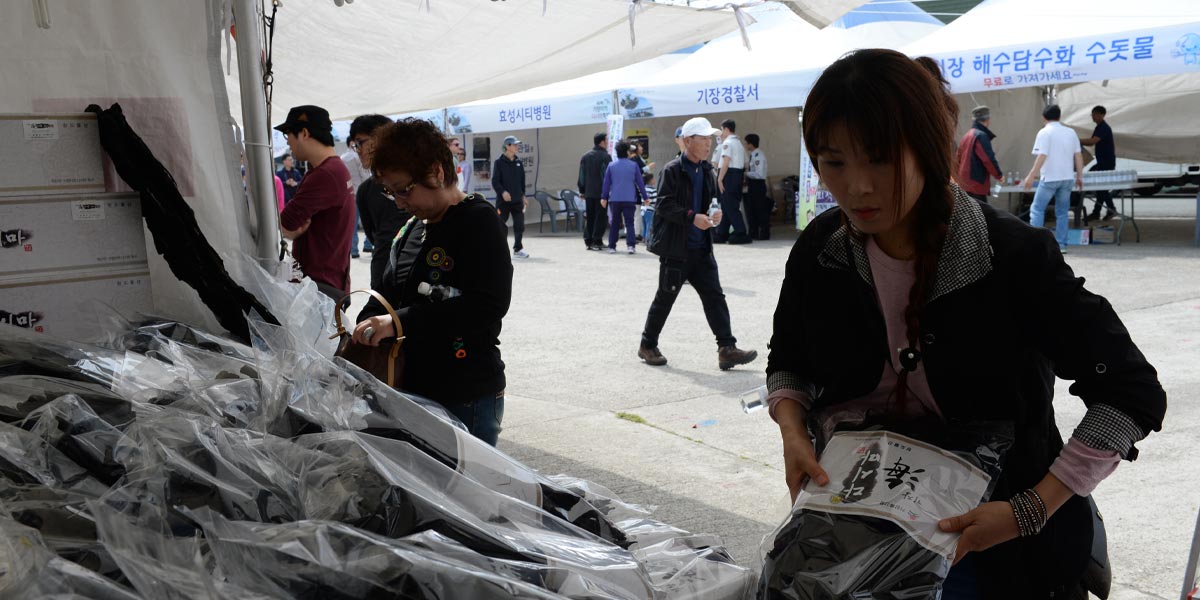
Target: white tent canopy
[[1003, 44], [390, 57], [786, 55], [1153, 118]]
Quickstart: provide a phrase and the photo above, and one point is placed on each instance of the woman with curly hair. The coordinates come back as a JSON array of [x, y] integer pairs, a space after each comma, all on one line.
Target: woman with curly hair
[[449, 278]]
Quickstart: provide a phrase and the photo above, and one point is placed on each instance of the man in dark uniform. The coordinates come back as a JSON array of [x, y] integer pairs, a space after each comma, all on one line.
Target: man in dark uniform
[[1106, 160]]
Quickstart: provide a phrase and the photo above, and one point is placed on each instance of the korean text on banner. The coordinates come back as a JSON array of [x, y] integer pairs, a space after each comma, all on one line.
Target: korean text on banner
[[1153, 51]]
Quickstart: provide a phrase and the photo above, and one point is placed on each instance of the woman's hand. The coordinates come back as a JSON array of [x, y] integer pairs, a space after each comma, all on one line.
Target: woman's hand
[[989, 524], [374, 330], [800, 462], [799, 456]]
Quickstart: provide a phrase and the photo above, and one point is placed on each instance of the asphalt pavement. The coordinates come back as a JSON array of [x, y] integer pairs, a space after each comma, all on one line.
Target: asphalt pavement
[[580, 402]]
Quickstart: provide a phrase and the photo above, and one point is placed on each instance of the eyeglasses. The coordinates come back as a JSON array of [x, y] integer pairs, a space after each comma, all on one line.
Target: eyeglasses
[[358, 145], [394, 195]]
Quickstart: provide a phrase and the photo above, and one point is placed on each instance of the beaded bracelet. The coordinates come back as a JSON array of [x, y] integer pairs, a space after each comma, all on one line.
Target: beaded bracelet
[[1030, 512]]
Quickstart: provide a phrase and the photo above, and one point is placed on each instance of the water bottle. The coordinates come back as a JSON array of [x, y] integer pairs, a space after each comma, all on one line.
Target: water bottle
[[754, 400], [714, 209], [437, 292], [996, 190]]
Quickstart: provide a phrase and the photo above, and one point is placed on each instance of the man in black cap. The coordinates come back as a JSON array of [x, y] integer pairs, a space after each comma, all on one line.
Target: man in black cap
[[508, 179], [320, 217], [591, 183]]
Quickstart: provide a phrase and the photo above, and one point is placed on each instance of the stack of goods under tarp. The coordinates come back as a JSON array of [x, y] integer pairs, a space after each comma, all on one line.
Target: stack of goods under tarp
[[166, 462]]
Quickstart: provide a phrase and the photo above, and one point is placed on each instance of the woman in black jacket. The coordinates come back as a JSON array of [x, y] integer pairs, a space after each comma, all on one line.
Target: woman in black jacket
[[916, 303], [449, 278]]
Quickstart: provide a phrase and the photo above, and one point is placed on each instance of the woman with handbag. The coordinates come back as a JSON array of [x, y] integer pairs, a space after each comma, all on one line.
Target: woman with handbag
[[449, 280], [914, 303]]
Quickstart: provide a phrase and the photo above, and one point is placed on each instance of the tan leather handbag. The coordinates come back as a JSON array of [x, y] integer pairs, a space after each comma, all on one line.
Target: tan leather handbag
[[385, 361]]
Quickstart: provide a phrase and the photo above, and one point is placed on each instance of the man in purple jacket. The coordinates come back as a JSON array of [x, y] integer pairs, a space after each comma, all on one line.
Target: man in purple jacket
[[623, 188]]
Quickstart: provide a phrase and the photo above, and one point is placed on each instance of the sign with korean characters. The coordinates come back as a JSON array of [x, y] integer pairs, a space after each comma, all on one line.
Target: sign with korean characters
[[894, 477], [1153, 51], [530, 114], [771, 90], [813, 198]]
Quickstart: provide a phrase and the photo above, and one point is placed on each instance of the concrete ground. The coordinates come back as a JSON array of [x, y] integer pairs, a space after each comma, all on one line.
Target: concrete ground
[[580, 402]]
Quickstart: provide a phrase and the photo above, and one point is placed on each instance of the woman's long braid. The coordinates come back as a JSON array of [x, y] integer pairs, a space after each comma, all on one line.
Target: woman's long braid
[[927, 242]]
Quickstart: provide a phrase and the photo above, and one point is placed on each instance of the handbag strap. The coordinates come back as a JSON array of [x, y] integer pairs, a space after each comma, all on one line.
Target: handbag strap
[[337, 314]]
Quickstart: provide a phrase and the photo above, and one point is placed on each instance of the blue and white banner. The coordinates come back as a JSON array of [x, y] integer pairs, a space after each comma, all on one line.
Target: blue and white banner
[[774, 90], [1155, 51], [530, 114]]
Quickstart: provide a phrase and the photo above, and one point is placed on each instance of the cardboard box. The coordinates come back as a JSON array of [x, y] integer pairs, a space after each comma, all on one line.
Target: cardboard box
[[1079, 237], [50, 154], [66, 305], [57, 233], [1104, 234]]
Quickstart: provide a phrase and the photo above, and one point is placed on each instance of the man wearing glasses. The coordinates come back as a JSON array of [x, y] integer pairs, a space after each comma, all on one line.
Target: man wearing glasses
[[381, 218], [321, 214], [508, 179], [358, 174]]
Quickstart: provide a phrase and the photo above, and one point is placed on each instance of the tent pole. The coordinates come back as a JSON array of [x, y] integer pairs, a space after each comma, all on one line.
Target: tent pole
[[260, 174], [1196, 241]]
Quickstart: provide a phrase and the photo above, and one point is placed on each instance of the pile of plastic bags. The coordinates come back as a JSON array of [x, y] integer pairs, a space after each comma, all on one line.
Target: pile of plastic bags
[[163, 461]]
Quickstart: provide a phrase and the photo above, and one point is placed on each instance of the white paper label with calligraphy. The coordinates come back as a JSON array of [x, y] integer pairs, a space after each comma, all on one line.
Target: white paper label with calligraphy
[[906, 481]]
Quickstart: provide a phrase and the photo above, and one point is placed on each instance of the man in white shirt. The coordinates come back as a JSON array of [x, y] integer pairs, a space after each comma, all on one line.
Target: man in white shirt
[[1060, 162], [357, 175], [758, 207], [731, 169], [462, 168]]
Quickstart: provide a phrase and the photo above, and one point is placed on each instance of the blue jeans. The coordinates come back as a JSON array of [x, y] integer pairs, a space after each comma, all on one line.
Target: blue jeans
[[367, 247], [647, 219], [1060, 191], [482, 416]]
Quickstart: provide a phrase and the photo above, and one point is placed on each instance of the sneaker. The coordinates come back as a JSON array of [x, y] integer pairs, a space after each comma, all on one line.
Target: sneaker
[[1062, 249], [729, 357], [353, 255], [632, 250], [739, 238], [651, 356], [369, 250], [612, 250], [520, 253], [1109, 215], [591, 247]]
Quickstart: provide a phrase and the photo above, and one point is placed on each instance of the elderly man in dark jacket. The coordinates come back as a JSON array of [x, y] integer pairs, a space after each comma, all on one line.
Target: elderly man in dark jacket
[[976, 160], [591, 184], [508, 179], [681, 236]]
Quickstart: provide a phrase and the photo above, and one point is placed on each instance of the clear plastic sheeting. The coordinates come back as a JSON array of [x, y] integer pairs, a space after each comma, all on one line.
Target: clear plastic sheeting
[[871, 532], [162, 461]]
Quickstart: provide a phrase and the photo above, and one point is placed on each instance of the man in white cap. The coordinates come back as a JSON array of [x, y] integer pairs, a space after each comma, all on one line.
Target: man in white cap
[[682, 239]]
